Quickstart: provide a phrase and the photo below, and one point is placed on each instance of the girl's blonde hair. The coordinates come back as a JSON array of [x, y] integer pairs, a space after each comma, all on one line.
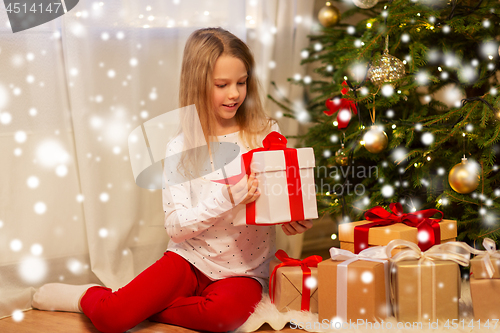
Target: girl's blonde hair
[[203, 48]]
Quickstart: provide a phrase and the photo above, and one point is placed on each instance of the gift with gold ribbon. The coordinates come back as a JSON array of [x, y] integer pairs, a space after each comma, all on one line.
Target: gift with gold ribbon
[[353, 287], [426, 285], [293, 283], [382, 226], [286, 183]]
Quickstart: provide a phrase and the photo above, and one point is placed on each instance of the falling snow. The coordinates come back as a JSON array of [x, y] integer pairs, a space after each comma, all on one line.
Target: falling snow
[[32, 269], [367, 277], [427, 138], [387, 191], [387, 90]]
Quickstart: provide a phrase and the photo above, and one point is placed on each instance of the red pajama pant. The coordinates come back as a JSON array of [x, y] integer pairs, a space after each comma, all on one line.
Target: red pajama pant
[[173, 291]]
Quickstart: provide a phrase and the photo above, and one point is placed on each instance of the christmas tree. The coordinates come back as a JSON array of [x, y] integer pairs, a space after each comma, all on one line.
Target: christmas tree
[[398, 102]]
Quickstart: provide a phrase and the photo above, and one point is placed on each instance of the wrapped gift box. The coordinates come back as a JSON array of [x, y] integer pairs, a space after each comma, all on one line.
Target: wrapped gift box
[[426, 291], [365, 294], [270, 169], [485, 298], [288, 295], [383, 235], [274, 205], [478, 268]]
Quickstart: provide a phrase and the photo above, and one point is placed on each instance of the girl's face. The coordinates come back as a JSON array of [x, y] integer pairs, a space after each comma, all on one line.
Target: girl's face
[[230, 86]]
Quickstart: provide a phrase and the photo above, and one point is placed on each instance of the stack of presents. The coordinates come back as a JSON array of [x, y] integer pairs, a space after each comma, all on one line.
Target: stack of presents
[[393, 263]]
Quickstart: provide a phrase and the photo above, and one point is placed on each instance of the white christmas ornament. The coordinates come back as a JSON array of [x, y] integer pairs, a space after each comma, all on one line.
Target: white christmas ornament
[[365, 3]]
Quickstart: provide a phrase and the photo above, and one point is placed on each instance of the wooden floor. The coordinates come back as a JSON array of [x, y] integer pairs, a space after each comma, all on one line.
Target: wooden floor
[[36, 321]]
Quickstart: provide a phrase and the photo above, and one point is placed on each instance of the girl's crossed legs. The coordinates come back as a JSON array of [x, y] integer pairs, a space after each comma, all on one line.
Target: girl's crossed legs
[[173, 291]]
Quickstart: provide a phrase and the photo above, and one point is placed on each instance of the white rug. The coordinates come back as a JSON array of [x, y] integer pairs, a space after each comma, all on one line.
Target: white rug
[[266, 312]]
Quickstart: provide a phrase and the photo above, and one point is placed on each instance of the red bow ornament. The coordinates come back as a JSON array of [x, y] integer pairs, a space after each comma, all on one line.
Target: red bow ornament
[[345, 106], [429, 232], [311, 261]]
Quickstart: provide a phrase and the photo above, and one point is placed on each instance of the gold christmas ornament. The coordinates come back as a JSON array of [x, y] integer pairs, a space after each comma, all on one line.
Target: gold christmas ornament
[[375, 140], [341, 157], [464, 177], [387, 69], [365, 3], [329, 16]]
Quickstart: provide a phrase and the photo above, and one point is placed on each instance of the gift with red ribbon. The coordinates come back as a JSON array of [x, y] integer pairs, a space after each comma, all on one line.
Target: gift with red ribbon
[[429, 231], [293, 285], [382, 226], [286, 182]]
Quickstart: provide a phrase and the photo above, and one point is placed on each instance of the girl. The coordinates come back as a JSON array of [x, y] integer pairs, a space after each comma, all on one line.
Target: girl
[[212, 274]]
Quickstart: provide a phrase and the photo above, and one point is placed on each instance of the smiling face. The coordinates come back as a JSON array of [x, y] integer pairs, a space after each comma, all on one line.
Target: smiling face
[[230, 89]]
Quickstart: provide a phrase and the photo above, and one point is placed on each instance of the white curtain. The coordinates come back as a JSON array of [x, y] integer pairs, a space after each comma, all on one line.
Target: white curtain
[[71, 90], [277, 34]]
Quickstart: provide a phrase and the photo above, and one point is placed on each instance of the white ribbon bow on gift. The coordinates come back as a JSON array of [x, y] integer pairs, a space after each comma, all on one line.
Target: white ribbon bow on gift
[[376, 254], [490, 252], [458, 252]]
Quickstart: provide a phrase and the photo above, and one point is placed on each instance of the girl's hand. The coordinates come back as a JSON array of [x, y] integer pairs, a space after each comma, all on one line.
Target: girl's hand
[[296, 227], [243, 192]]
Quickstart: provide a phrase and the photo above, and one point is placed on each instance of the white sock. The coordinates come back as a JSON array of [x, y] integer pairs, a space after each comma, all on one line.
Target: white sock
[[59, 296]]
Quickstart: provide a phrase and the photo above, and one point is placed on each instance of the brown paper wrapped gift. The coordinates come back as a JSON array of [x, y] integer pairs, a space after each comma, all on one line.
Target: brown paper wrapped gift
[[487, 264], [485, 298], [426, 291], [478, 268], [365, 296], [287, 293], [383, 235], [426, 285]]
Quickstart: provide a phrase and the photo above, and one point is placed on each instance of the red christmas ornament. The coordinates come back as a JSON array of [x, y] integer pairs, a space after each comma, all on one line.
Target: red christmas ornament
[[342, 104]]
